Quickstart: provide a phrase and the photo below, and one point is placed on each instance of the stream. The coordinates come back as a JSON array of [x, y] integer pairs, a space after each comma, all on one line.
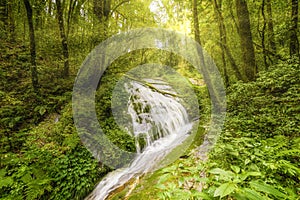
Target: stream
[[159, 123]]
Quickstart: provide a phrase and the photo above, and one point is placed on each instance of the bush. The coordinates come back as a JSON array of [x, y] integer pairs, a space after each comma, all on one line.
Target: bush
[[53, 164], [257, 155]]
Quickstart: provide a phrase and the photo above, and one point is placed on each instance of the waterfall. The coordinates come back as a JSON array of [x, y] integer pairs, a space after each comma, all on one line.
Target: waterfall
[[159, 122]]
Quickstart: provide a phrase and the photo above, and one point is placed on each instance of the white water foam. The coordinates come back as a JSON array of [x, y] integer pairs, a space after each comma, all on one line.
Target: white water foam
[[160, 120]]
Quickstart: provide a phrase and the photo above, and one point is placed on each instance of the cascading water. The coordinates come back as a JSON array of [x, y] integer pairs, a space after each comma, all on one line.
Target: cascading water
[[160, 123], [154, 115]]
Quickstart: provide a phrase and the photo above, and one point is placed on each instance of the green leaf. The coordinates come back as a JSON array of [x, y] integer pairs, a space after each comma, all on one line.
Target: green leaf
[[221, 172], [245, 175], [2, 173], [252, 194], [236, 169], [263, 187], [26, 178], [42, 110], [161, 186], [164, 178], [181, 181], [225, 189], [224, 175], [253, 174], [6, 181], [247, 161]]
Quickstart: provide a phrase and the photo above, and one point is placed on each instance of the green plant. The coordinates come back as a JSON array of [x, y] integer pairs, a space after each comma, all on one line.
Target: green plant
[[257, 154]]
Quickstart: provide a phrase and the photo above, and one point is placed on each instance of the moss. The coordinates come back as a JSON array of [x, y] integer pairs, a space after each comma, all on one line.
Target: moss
[[141, 140], [147, 187]]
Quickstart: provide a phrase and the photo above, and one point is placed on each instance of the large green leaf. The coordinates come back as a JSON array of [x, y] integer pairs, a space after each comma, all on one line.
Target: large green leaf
[[252, 194], [225, 189], [263, 187]]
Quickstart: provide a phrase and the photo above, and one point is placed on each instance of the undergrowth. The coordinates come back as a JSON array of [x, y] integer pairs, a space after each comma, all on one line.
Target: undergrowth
[[52, 164], [257, 154]]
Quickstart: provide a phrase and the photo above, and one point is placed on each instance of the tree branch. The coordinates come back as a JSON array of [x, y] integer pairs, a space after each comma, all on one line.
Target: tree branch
[[118, 5], [271, 53]]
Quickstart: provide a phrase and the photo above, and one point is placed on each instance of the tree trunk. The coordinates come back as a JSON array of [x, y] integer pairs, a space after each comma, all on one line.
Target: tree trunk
[[50, 7], [271, 35], [34, 73], [222, 29], [63, 38], [263, 33], [223, 44], [205, 70], [196, 22], [72, 6], [4, 14], [294, 43], [11, 22], [102, 9], [7, 19], [39, 7], [248, 55]]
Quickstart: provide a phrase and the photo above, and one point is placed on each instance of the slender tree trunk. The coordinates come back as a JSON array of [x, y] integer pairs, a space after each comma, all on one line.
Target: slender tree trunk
[[50, 7], [294, 43], [209, 78], [263, 34], [72, 5], [38, 11], [248, 55], [223, 44], [7, 19], [102, 9], [34, 73], [63, 38], [4, 14], [11, 20], [232, 15], [271, 35], [98, 8], [218, 12], [205, 70], [196, 22], [233, 64]]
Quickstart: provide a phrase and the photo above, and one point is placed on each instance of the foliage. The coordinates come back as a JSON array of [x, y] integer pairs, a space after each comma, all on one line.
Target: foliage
[[117, 133], [257, 155], [41, 156], [52, 164]]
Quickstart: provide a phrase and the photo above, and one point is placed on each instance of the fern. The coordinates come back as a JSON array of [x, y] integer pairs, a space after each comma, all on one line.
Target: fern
[[5, 181], [37, 187], [263, 187]]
